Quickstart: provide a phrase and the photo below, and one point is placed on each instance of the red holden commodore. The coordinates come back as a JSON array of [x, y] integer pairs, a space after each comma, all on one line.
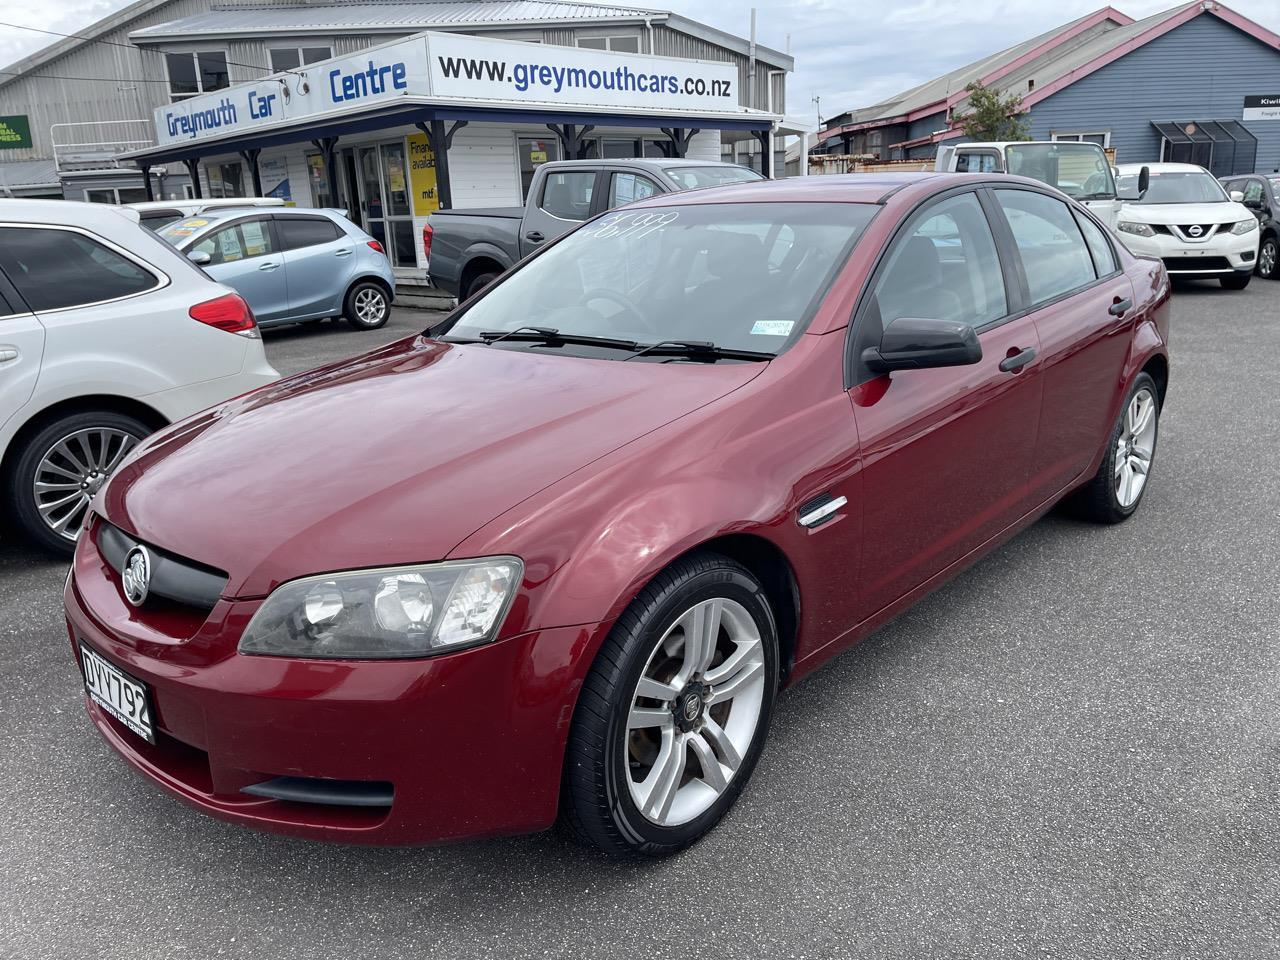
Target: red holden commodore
[[555, 559]]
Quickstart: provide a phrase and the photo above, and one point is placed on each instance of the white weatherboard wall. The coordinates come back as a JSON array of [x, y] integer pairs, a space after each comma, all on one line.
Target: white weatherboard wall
[[704, 146], [483, 168]]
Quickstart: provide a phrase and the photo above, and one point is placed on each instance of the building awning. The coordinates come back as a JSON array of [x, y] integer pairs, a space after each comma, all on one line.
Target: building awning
[[454, 77], [1204, 131]]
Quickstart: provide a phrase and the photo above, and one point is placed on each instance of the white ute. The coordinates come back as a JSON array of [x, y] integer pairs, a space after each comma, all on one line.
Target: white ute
[[107, 333], [1186, 219]]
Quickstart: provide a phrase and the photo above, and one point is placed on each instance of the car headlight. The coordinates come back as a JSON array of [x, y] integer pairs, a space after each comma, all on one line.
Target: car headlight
[[1138, 229], [1244, 226], [413, 611]]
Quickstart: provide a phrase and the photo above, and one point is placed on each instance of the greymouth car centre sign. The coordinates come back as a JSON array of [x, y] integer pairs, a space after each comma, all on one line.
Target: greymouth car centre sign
[[454, 67]]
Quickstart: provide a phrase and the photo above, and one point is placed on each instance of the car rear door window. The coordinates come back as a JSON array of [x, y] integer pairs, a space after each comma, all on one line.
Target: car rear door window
[[298, 232], [945, 268], [629, 187], [55, 269], [567, 195], [1054, 255], [1104, 255]]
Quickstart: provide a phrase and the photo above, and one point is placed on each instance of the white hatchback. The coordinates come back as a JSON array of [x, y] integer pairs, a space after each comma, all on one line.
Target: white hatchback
[[106, 334], [1187, 220]]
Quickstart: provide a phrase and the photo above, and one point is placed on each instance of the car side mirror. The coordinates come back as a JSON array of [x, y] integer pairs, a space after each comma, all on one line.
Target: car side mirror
[[200, 258], [1144, 181], [1237, 196], [911, 343]]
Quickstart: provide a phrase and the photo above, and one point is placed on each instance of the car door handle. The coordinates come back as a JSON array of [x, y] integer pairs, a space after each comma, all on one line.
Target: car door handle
[[8, 353], [344, 252], [535, 236], [1120, 308], [268, 266], [1017, 361]]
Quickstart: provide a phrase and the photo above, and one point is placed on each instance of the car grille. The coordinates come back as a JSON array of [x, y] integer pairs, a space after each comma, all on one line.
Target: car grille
[[1206, 230], [1196, 264], [172, 577]]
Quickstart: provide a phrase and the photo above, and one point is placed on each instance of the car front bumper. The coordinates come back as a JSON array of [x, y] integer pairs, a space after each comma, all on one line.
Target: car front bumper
[[468, 744], [1219, 256]]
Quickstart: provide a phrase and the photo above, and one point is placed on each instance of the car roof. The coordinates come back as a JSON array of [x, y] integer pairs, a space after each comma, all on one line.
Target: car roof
[[835, 188], [192, 204], [65, 212], [649, 163], [221, 214]]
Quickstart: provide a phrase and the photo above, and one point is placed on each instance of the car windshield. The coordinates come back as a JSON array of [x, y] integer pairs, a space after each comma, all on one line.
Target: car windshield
[[181, 230], [690, 178], [1275, 185], [1079, 170], [1195, 186], [744, 276]]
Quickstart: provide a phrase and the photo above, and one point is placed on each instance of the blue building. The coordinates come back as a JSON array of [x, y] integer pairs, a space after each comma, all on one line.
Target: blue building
[[1198, 83]]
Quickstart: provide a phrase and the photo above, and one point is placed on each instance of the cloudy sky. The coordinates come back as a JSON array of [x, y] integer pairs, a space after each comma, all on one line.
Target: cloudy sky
[[848, 54]]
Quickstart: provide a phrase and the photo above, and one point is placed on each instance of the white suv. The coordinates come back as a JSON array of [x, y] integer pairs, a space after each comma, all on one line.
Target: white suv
[[106, 334], [1187, 220]]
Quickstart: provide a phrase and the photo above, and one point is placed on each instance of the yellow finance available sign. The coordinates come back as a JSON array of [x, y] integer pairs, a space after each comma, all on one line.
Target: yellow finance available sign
[[422, 176]]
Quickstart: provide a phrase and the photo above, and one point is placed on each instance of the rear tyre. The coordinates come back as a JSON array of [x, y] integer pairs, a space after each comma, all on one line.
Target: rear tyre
[[1269, 259], [1115, 491], [367, 306], [60, 468], [479, 283], [1238, 282], [674, 713]]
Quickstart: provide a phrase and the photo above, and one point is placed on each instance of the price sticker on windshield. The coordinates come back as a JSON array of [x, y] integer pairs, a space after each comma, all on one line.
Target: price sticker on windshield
[[633, 226]]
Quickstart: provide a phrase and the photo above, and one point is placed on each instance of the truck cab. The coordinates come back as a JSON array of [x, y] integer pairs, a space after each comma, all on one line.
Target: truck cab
[[1080, 170]]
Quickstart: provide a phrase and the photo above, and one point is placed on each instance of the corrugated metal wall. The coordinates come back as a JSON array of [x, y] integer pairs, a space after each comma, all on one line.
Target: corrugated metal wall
[[673, 43], [1201, 70], [47, 100]]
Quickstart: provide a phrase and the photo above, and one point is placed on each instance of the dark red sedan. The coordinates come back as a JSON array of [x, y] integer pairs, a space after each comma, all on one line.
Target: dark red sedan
[[556, 558]]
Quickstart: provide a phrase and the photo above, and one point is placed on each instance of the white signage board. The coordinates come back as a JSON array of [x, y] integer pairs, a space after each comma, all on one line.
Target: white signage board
[[371, 76], [1262, 107], [508, 71], [453, 67]]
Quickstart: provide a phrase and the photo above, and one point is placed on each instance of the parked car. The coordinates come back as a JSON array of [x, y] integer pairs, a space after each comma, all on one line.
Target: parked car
[[469, 249], [1261, 194], [292, 265], [675, 461], [155, 214], [1186, 219], [106, 334], [1079, 169]]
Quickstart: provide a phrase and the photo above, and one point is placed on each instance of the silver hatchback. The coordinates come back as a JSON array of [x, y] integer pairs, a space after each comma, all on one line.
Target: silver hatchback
[[291, 265]]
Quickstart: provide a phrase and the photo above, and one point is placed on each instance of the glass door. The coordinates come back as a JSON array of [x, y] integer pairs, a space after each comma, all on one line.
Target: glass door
[[384, 200]]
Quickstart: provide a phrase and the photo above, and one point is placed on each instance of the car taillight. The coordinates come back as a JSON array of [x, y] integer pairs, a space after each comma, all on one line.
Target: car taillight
[[427, 235], [229, 313], [375, 245]]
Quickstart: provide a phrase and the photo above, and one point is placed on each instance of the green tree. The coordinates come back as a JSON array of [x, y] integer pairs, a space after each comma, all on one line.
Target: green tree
[[992, 115]]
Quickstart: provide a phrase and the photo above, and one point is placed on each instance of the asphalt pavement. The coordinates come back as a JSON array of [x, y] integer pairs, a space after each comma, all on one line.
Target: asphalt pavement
[[1073, 750]]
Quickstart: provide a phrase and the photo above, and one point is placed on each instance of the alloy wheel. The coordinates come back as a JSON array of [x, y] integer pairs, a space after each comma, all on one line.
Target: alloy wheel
[[1267, 258], [72, 471], [1135, 447], [370, 305], [694, 711]]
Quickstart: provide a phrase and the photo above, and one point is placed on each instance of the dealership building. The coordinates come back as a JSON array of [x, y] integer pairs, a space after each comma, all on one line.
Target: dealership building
[[387, 109], [1198, 83]]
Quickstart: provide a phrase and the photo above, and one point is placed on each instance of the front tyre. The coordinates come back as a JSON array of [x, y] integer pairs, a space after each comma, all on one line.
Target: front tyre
[[1115, 491], [674, 712], [367, 306], [60, 469]]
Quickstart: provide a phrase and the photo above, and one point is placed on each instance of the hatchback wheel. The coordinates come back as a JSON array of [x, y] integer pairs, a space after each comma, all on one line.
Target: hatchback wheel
[[1269, 259], [674, 713], [1117, 488], [367, 306], [60, 469]]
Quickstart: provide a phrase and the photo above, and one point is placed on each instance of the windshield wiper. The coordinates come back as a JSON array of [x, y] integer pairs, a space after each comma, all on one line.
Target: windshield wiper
[[552, 335], [699, 349]]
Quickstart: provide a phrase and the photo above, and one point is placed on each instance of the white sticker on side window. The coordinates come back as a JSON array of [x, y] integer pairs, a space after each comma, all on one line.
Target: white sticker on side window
[[772, 328]]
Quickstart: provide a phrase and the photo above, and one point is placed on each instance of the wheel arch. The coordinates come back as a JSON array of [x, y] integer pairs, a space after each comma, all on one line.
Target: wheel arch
[[477, 265], [369, 278], [86, 404], [1157, 366]]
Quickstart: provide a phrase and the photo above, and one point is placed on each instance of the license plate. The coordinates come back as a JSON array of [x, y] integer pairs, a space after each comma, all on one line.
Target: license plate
[[118, 693]]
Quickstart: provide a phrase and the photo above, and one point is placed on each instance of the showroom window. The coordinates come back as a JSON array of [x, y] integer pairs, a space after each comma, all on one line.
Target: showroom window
[[226, 179], [116, 195], [194, 73], [616, 44], [56, 269], [291, 58]]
